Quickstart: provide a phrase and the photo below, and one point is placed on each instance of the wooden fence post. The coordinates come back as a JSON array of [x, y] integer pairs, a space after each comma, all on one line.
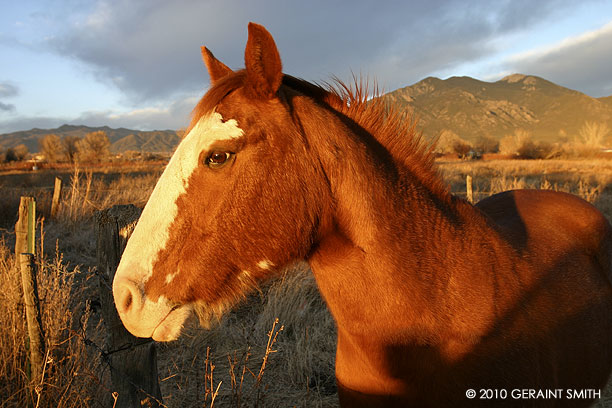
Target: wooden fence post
[[468, 187], [133, 361], [57, 195], [25, 240], [33, 318], [25, 228]]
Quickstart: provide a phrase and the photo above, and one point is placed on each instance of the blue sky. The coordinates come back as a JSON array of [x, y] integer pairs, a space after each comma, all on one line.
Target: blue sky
[[137, 63]]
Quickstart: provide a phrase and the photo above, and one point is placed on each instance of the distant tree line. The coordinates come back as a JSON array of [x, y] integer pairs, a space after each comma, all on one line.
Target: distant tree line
[[591, 138], [94, 147], [12, 154]]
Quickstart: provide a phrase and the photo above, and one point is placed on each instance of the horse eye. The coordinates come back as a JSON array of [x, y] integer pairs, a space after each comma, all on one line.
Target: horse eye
[[218, 159]]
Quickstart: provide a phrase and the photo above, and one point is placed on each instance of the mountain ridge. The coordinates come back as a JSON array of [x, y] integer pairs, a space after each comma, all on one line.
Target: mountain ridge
[[471, 108], [122, 139], [475, 109]]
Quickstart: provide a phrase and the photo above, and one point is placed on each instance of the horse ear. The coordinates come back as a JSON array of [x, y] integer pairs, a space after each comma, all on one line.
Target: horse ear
[[262, 62], [216, 69]]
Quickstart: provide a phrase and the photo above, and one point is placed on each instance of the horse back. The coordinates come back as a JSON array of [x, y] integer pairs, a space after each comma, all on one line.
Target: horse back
[[550, 226]]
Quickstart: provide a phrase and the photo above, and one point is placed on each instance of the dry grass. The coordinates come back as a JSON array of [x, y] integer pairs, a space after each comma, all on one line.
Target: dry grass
[[245, 361], [68, 379], [299, 372], [589, 179]]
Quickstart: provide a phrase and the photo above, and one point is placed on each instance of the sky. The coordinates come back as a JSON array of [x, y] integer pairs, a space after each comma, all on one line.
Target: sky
[[137, 63]]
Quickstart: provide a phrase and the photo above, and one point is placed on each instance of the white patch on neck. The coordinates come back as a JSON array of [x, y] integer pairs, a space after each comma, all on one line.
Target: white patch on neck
[[265, 264], [153, 229], [170, 277]]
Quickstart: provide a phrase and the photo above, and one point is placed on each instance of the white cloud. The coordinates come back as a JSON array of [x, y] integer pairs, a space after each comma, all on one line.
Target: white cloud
[[582, 62], [175, 115]]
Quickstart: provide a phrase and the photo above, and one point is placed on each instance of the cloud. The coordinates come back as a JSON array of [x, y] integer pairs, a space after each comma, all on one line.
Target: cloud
[[24, 122], [581, 62], [174, 116], [149, 49], [8, 90], [7, 107]]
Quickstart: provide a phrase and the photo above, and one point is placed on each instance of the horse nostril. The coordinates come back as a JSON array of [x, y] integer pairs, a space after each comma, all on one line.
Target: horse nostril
[[127, 302], [126, 295]]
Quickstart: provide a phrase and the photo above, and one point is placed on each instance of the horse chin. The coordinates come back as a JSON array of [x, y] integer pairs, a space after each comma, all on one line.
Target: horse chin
[[209, 315], [170, 327]]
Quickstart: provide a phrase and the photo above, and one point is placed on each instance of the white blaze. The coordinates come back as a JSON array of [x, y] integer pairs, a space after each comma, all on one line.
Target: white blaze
[[152, 231]]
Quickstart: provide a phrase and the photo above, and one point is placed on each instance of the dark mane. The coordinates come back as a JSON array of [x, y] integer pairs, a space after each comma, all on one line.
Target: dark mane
[[393, 129]]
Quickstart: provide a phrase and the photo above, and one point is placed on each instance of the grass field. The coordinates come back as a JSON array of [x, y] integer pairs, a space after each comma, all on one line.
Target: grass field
[[253, 361]]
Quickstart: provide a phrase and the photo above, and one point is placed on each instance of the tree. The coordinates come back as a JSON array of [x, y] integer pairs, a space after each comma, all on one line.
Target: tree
[[17, 153], [69, 144], [449, 142], [511, 144], [486, 144], [95, 146], [51, 146], [461, 148], [593, 134]]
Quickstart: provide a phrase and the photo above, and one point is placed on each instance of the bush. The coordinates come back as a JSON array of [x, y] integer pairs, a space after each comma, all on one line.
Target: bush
[[17, 153], [69, 143], [538, 150], [52, 148], [593, 134], [449, 142], [486, 144], [511, 144], [95, 146], [461, 148]]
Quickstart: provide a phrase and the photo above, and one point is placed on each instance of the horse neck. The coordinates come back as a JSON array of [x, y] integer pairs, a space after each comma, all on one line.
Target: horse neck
[[376, 258]]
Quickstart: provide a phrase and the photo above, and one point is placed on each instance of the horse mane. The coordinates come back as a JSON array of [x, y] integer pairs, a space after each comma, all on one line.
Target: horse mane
[[394, 130]]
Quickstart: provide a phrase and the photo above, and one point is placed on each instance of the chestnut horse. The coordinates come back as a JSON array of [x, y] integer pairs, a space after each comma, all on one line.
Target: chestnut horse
[[431, 296]]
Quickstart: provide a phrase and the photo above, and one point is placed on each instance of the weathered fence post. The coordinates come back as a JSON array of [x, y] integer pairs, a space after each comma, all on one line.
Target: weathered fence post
[[33, 318], [468, 187], [25, 240], [133, 361], [25, 228], [57, 195]]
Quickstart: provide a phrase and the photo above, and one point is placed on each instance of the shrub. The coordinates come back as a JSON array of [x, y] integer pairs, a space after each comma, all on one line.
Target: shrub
[[52, 148], [17, 153], [511, 144], [69, 144], [95, 146], [593, 134], [449, 142], [486, 144]]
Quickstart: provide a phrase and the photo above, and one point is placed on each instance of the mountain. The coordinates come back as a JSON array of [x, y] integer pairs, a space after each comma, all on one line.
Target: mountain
[[121, 139], [606, 100], [468, 107], [473, 109]]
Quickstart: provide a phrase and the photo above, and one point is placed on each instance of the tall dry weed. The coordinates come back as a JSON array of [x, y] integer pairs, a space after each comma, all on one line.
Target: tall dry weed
[[69, 366]]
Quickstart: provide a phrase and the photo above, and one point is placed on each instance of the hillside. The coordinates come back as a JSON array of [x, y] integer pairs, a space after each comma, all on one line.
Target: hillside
[[470, 108], [474, 109], [121, 139]]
